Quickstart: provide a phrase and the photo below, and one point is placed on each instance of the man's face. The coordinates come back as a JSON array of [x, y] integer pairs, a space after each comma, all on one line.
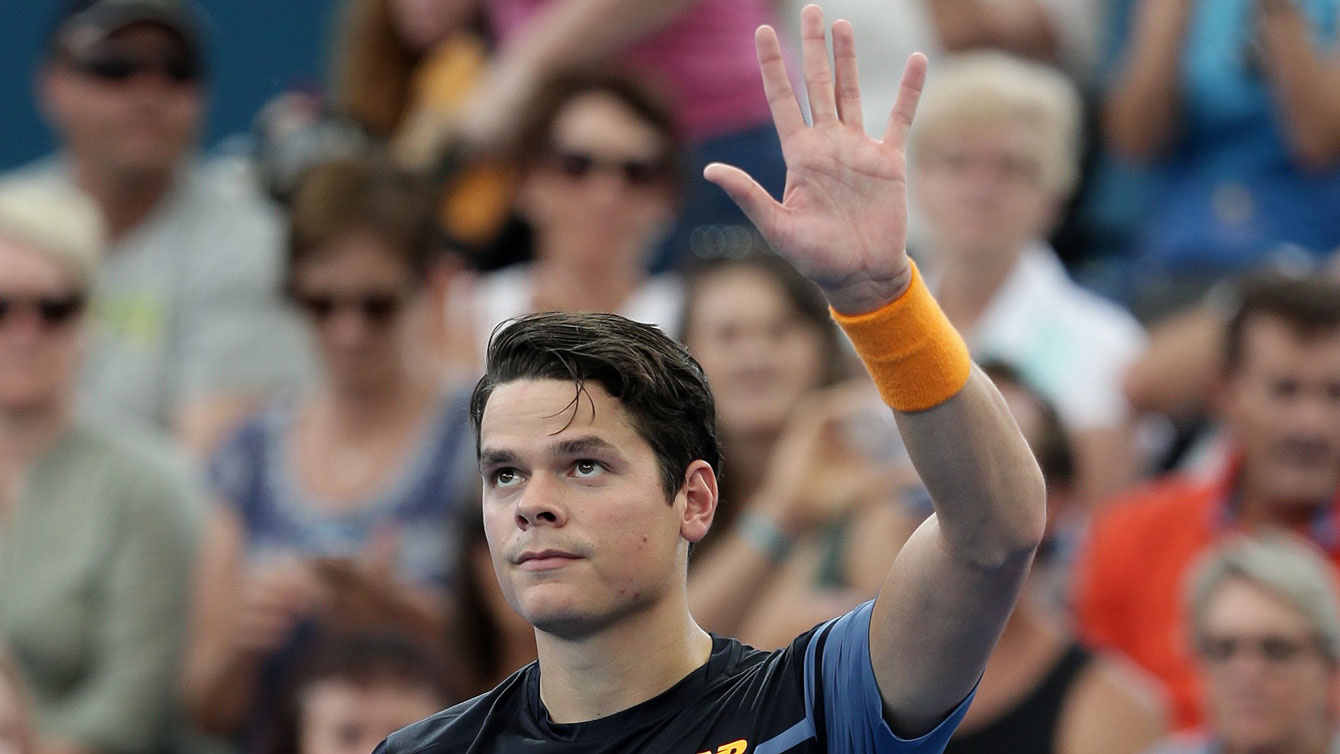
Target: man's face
[[1267, 682], [981, 190], [578, 523], [1282, 405], [127, 106]]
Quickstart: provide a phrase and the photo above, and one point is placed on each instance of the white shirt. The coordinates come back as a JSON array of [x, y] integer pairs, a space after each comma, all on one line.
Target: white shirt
[[510, 292], [1071, 345]]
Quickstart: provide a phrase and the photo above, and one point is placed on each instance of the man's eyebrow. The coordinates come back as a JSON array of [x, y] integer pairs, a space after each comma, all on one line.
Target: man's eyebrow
[[581, 445], [490, 457]]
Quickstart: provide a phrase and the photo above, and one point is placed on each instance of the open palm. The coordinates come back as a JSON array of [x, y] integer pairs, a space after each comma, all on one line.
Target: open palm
[[842, 220]]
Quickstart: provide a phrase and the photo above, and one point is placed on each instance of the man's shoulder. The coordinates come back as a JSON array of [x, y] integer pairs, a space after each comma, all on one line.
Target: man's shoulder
[[460, 725]]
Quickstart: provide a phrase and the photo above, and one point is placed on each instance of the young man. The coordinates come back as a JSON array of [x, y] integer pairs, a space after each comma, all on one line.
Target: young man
[[598, 450]]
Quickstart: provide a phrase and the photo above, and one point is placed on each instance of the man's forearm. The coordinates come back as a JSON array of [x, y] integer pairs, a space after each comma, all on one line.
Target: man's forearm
[[1141, 111], [987, 490]]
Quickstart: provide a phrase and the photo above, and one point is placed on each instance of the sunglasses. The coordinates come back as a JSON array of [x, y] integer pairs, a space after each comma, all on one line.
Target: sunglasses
[[51, 311], [377, 308], [1275, 650], [179, 68], [579, 165]]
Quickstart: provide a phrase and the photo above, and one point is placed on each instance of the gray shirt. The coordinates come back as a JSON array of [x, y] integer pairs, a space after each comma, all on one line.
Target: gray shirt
[[187, 304], [94, 568]]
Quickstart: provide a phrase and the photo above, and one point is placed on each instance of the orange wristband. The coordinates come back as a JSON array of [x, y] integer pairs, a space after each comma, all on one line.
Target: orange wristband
[[914, 355]]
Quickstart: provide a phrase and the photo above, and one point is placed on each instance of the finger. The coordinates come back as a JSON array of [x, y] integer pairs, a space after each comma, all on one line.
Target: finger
[[786, 115], [752, 198], [814, 56], [905, 106], [846, 84]]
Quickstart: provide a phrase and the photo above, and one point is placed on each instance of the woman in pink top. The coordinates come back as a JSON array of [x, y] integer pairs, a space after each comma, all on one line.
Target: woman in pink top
[[700, 51]]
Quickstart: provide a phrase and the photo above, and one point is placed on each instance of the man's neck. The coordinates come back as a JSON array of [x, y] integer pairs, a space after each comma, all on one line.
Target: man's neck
[[23, 439], [622, 666], [125, 201], [968, 283], [1258, 506]]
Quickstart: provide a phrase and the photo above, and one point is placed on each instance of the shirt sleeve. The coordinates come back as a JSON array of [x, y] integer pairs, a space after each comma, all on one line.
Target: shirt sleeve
[[126, 702], [842, 695]]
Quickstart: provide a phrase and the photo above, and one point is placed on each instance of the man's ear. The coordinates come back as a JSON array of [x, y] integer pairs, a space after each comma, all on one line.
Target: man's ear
[[46, 88], [699, 492]]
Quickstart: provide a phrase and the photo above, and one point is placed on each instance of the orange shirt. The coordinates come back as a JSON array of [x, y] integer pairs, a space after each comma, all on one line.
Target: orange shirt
[[1131, 582]]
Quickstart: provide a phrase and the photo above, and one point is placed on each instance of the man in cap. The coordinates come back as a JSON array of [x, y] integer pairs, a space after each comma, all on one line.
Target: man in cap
[[188, 331]]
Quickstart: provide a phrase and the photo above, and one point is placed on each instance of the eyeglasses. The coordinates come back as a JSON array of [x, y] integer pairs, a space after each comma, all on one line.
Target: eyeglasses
[[377, 308], [52, 311], [578, 165], [1275, 650], [179, 68]]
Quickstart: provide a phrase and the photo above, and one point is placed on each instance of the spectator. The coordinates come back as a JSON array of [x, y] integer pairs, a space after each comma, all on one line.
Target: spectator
[[96, 524], [599, 183], [803, 531], [1236, 109], [16, 735], [349, 694], [405, 67], [336, 513], [1266, 629], [187, 334], [1042, 692], [1067, 33], [994, 156], [699, 52], [1278, 400]]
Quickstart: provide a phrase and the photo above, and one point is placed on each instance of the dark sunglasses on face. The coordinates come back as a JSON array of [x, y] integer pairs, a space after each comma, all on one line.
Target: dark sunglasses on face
[[179, 68], [51, 311], [377, 308], [1275, 650], [579, 165]]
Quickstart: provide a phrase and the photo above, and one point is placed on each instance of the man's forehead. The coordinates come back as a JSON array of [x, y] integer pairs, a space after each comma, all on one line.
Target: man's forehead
[[553, 406]]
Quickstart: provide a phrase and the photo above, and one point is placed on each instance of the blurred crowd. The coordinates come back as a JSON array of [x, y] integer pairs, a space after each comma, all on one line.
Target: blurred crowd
[[238, 486]]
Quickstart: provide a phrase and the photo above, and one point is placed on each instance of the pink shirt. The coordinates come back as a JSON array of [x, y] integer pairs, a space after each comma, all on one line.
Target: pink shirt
[[704, 59]]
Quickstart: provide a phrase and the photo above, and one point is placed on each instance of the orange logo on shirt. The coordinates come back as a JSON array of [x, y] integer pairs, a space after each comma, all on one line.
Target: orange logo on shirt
[[734, 747]]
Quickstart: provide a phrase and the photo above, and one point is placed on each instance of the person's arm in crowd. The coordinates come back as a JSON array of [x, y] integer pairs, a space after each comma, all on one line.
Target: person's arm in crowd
[[237, 619], [126, 703], [1113, 708], [1173, 375], [564, 34], [804, 488], [1142, 107], [1022, 27], [1106, 460], [1306, 79], [844, 225]]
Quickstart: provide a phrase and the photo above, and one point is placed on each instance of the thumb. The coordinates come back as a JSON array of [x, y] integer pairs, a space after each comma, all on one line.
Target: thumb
[[752, 198]]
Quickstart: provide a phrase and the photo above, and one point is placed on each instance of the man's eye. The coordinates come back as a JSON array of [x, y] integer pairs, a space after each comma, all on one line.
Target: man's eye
[[587, 467], [505, 477]]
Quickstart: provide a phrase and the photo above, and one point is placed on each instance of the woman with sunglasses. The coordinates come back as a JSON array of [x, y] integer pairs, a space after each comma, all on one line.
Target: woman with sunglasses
[[599, 183], [1265, 629], [336, 514], [96, 523]]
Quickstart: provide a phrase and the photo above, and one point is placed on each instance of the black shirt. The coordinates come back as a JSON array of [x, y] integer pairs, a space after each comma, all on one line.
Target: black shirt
[[816, 695]]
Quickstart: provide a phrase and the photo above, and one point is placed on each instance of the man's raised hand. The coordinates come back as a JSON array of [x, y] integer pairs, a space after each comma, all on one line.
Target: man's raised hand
[[842, 220]]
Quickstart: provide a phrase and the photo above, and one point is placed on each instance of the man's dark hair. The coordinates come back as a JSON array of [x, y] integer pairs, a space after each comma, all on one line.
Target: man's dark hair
[[661, 387], [1310, 306]]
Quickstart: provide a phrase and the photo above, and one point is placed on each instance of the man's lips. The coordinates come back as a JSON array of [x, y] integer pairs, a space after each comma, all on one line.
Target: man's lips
[[544, 560]]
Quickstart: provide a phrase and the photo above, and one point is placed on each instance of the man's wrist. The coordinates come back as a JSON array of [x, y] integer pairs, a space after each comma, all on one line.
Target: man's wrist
[[867, 295]]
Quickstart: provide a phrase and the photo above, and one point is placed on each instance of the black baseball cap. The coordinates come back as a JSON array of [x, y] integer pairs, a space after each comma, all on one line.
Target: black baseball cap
[[83, 22]]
